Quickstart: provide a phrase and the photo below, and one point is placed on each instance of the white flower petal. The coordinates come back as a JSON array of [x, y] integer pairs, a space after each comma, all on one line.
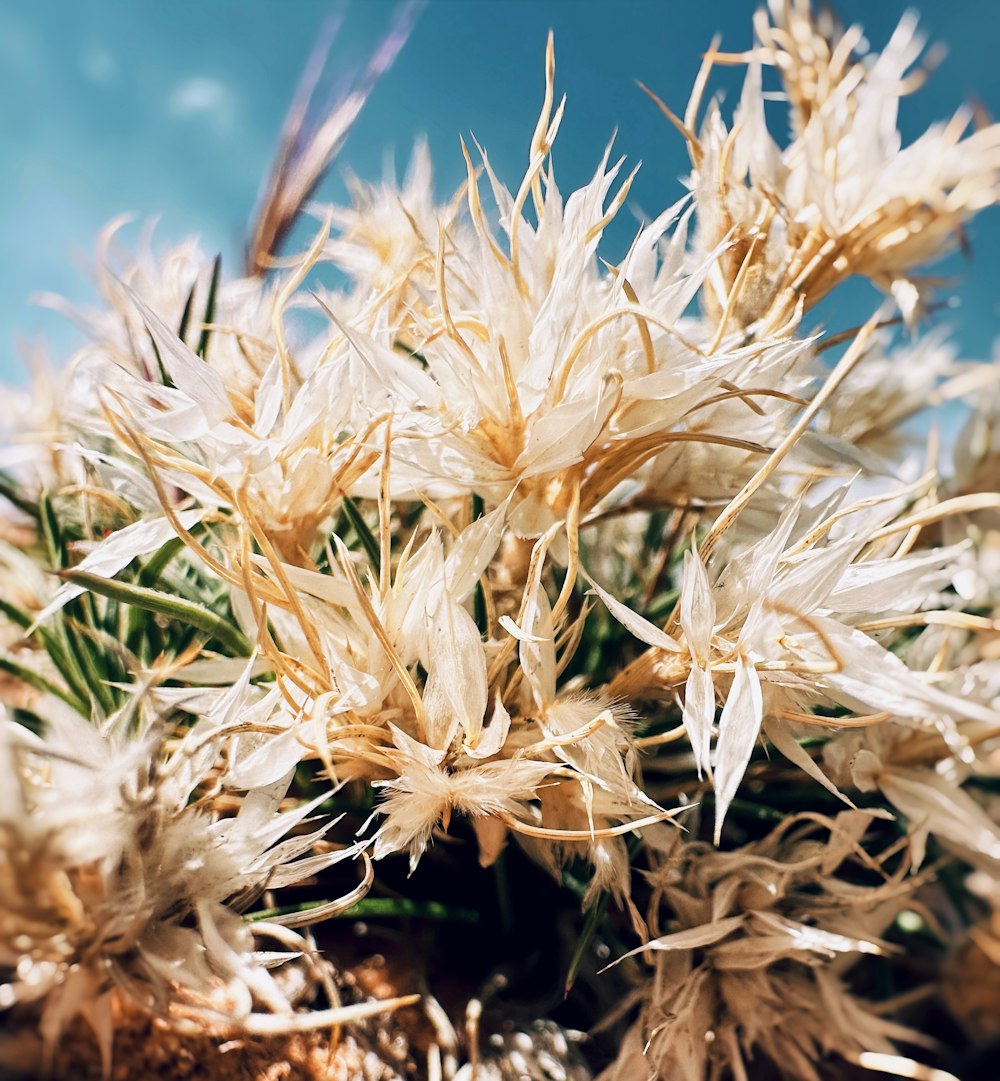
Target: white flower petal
[[739, 727]]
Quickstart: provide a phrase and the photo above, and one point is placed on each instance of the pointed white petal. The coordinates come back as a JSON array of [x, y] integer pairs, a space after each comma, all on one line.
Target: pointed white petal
[[739, 727], [697, 612], [639, 626], [699, 714]]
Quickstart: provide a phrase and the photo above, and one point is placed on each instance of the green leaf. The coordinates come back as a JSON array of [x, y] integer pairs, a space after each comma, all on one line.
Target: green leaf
[[186, 315], [213, 288], [365, 535], [11, 491], [654, 530], [55, 545], [412, 353], [284, 910], [160, 560], [401, 908], [164, 377], [27, 718], [151, 600], [14, 614], [141, 637], [593, 921], [55, 646], [91, 660], [380, 908], [479, 597], [83, 666], [41, 683]]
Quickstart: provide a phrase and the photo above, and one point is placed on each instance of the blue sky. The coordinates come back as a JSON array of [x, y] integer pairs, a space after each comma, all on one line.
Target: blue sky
[[172, 109]]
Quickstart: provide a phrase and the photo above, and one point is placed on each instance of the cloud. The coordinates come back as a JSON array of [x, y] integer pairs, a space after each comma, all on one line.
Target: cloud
[[205, 97]]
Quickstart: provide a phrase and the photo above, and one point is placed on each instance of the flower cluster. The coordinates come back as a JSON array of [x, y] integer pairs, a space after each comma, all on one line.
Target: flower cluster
[[499, 558]]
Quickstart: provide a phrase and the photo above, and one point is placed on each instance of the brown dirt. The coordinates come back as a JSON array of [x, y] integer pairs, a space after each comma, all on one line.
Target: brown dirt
[[145, 1048], [148, 1048], [383, 1049]]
